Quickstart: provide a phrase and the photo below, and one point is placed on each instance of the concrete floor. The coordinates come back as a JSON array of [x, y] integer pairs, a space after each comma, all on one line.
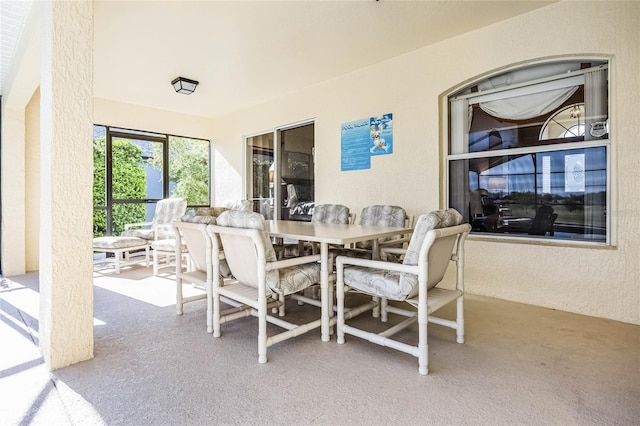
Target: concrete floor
[[520, 364]]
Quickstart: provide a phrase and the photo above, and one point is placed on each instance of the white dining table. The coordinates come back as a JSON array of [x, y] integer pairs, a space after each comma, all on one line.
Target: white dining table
[[326, 234]]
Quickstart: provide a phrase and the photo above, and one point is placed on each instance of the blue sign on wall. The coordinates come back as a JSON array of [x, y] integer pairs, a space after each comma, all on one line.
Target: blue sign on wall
[[363, 138], [381, 134]]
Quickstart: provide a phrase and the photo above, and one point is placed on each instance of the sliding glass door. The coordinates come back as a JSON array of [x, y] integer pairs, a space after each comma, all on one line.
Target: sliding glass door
[[260, 174], [277, 164], [297, 176]]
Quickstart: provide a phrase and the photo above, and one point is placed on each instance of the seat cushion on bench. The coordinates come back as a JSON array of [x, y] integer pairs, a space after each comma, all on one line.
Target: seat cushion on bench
[[146, 234], [118, 242]]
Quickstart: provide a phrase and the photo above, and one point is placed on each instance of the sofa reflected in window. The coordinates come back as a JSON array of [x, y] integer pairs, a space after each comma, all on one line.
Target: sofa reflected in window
[[299, 202], [490, 214]]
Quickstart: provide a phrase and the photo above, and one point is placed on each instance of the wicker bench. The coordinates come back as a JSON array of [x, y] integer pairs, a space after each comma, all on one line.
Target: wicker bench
[[122, 248]]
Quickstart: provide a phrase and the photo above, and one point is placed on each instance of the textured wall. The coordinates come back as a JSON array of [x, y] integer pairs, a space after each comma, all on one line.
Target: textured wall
[[66, 267], [118, 114], [32, 183], [13, 170], [590, 280]]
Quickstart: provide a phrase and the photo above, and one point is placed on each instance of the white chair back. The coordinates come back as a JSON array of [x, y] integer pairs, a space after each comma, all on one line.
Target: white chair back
[[246, 244], [198, 243], [167, 211]]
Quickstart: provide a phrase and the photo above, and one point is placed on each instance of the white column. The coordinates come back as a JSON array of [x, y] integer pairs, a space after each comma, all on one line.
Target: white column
[[66, 114], [13, 192]]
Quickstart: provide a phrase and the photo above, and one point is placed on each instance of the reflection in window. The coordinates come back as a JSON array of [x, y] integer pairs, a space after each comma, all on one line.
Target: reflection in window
[[518, 163], [560, 194]]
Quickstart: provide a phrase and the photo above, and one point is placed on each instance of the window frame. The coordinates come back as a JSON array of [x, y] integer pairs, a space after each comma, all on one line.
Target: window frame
[[607, 144], [112, 132], [280, 212]]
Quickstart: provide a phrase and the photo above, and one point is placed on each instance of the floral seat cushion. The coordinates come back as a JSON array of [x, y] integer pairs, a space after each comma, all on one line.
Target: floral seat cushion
[[282, 281], [330, 213], [195, 218], [401, 285], [382, 216], [145, 234]]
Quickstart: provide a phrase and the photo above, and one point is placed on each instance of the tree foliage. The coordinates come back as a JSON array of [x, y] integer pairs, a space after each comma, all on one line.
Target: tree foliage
[[188, 177], [261, 177], [188, 169], [128, 182]]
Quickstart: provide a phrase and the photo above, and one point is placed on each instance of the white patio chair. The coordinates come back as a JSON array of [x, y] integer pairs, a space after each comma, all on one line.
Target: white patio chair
[[322, 213], [160, 230], [260, 281], [437, 240], [202, 267], [380, 215], [160, 227]]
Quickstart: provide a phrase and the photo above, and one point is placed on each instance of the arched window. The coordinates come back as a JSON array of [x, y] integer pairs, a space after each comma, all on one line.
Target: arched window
[[528, 151], [568, 122]]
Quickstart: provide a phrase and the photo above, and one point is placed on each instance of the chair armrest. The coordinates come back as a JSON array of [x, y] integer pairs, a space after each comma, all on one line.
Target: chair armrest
[[341, 261], [394, 242], [393, 250], [292, 262], [139, 224]]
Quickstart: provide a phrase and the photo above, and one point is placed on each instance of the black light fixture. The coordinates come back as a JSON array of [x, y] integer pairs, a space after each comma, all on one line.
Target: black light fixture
[[184, 85]]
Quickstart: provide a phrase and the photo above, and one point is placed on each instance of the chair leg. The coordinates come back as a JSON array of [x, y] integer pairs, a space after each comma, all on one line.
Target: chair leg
[[179, 303], [340, 303], [423, 346], [209, 308], [262, 331], [281, 310], [384, 315], [376, 310], [460, 320], [215, 311], [116, 256]]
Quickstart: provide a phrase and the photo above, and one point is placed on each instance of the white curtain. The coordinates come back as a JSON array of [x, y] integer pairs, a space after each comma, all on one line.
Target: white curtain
[[460, 125], [530, 105], [595, 99], [459, 170], [596, 110]]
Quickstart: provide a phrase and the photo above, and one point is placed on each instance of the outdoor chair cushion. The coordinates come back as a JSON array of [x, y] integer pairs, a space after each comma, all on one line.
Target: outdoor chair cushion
[[330, 213], [382, 215], [206, 219], [118, 242], [145, 234], [282, 281], [210, 211], [402, 285]]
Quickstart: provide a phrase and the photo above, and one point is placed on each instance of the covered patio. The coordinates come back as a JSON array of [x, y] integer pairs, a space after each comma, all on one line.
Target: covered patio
[[521, 364]]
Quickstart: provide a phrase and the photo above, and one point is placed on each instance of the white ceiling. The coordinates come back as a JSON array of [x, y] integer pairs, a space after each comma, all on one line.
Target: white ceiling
[[12, 17], [247, 52]]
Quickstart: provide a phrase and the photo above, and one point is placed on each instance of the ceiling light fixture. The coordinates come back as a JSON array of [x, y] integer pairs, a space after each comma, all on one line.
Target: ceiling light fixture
[[184, 85]]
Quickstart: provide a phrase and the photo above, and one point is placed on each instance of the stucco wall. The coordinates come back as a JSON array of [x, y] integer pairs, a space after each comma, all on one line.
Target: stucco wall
[[594, 281], [117, 114], [66, 270], [32, 182], [13, 194]]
